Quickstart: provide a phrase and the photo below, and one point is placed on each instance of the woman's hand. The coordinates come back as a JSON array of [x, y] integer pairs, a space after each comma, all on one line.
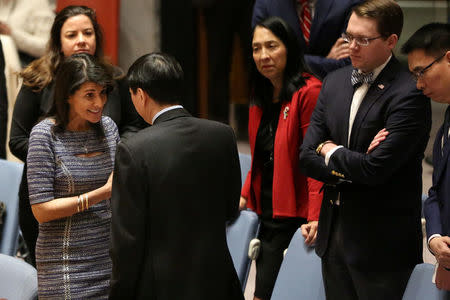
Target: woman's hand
[[339, 50], [110, 179], [5, 29], [108, 185], [68, 206], [242, 203], [309, 232]]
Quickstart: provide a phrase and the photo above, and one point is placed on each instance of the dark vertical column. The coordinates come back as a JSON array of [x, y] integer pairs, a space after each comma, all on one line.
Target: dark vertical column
[[225, 19], [3, 105], [179, 38], [448, 11]]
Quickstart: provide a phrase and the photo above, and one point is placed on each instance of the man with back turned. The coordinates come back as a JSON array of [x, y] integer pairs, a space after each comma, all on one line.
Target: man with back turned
[[175, 185]]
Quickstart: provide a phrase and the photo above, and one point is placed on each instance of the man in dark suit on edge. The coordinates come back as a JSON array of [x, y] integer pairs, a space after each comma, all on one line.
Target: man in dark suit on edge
[[175, 185], [428, 52], [366, 141]]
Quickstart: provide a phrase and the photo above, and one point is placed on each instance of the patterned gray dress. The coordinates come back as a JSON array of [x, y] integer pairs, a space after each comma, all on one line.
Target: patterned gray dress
[[72, 254]]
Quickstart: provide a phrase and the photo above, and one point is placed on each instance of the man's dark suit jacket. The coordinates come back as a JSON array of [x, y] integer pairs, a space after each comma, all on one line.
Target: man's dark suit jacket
[[437, 206], [175, 186], [380, 192], [329, 22]]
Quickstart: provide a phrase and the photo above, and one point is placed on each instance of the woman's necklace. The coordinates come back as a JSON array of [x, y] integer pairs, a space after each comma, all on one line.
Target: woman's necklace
[[85, 146]]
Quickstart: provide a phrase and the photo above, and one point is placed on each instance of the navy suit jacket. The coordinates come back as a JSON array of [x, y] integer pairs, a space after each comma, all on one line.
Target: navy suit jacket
[[329, 22], [437, 206], [380, 192]]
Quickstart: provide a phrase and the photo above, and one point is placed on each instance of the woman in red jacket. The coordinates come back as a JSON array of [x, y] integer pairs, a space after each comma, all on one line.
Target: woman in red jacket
[[284, 96]]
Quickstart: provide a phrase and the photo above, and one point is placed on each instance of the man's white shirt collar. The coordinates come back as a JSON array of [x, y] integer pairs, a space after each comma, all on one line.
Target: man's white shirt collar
[[165, 110]]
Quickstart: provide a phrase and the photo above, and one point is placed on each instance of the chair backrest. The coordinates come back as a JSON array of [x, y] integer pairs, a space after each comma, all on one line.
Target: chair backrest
[[18, 279], [420, 285], [246, 162], [300, 275], [10, 178], [239, 235]]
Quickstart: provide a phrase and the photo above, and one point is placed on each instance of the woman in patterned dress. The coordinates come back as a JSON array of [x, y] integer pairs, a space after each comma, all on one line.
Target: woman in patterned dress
[[74, 30], [70, 163]]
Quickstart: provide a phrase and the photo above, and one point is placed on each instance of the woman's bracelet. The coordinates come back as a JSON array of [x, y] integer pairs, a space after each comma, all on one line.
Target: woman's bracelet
[[78, 204], [82, 202]]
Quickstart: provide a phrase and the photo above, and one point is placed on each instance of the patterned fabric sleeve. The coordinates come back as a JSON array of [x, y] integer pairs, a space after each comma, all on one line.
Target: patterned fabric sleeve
[[41, 163], [115, 131], [111, 132]]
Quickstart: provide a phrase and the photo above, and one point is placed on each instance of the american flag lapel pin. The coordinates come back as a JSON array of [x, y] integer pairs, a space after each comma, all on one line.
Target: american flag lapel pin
[[285, 112], [381, 86]]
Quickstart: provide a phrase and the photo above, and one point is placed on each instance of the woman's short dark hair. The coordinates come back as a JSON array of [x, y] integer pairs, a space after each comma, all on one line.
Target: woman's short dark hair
[[159, 75], [72, 73], [293, 77]]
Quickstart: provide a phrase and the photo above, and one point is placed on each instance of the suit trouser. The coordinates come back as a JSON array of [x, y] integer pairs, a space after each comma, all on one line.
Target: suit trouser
[[275, 236], [344, 281]]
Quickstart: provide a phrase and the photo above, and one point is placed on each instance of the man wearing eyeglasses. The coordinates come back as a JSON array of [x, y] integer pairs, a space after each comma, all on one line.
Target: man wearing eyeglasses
[[428, 52], [366, 141]]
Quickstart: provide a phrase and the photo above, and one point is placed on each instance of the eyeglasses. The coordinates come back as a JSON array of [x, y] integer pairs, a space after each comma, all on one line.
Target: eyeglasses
[[361, 41], [419, 74]]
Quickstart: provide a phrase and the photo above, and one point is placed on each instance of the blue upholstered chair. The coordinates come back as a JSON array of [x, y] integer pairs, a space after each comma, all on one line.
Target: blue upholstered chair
[[300, 275], [246, 162], [239, 235], [242, 233], [10, 177], [18, 279], [420, 286]]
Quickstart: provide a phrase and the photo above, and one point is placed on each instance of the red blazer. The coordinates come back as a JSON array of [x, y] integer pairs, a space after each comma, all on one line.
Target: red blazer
[[294, 195]]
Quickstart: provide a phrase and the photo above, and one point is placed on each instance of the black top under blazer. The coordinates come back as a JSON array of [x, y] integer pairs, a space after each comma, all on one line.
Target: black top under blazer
[[380, 192], [175, 186]]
